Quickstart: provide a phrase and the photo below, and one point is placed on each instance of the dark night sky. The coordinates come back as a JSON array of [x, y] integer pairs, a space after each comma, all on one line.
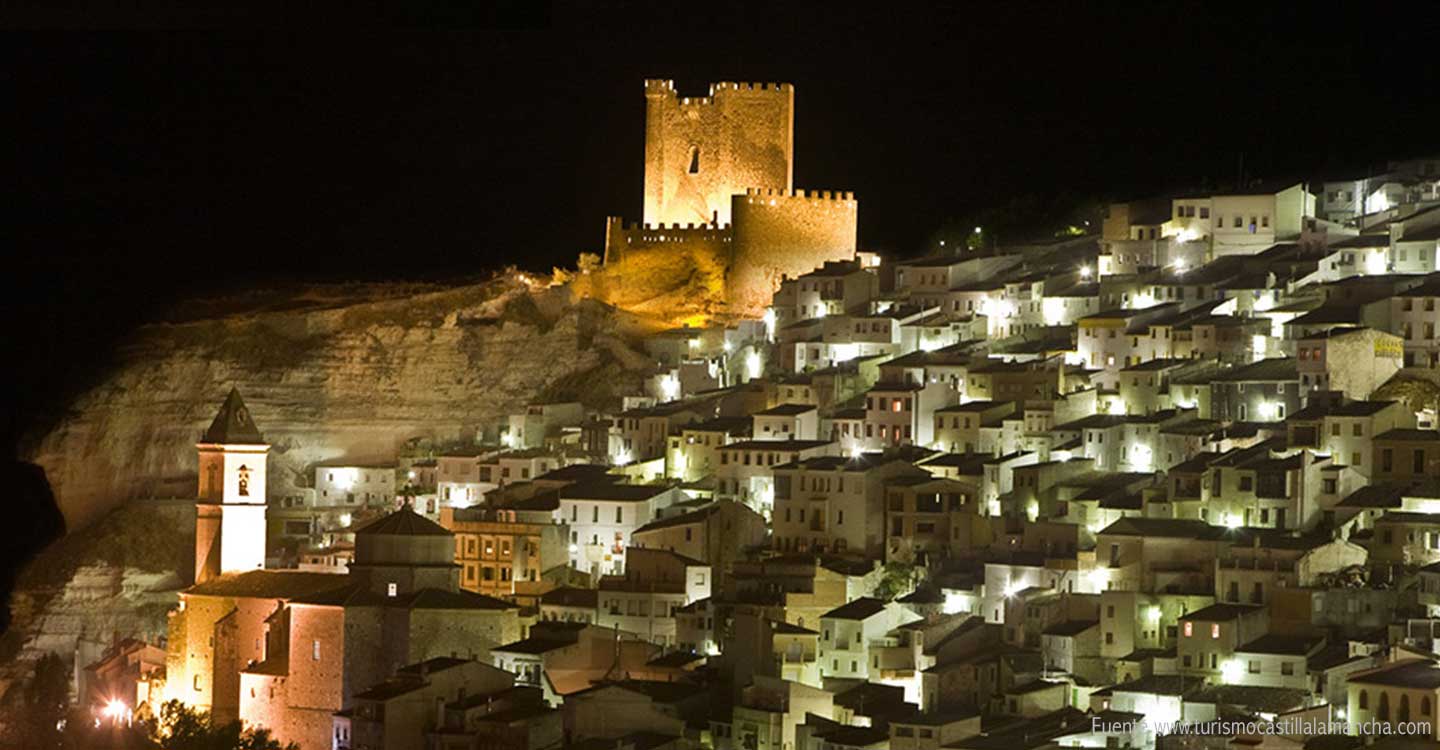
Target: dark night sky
[[155, 165]]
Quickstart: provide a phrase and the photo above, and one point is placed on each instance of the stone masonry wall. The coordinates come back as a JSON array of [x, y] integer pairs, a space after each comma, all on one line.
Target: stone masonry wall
[[785, 233], [699, 151]]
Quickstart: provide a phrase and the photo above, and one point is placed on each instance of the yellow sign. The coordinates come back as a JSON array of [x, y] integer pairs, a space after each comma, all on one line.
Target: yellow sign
[[1390, 348]]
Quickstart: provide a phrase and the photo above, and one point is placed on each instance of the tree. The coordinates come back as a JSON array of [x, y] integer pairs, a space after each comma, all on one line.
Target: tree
[[183, 728], [37, 718], [897, 580]]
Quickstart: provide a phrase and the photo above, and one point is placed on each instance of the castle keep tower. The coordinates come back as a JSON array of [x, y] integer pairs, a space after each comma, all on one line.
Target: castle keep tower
[[718, 195], [701, 151], [230, 512]]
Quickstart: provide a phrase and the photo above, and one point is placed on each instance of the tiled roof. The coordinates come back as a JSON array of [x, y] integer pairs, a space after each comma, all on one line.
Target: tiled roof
[[269, 584], [1222, 612], [403, 522], [1266, 370], [858, 609], [612, 491], [571, 596]]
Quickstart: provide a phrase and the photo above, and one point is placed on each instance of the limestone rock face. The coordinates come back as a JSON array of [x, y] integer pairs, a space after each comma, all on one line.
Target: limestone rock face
[[329, 374], [80, 618]]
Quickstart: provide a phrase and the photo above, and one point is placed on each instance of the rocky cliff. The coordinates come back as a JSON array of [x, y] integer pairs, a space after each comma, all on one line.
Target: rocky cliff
[[343, 372], [329, 373]]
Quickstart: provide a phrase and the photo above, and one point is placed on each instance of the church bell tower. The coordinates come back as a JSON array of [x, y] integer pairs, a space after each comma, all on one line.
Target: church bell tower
[[230, 510]]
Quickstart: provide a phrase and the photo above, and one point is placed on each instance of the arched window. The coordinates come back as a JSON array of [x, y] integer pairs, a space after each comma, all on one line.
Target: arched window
[[1383, 713], [1403, 714], [1425, 705], [1364, 700], [694, 160]]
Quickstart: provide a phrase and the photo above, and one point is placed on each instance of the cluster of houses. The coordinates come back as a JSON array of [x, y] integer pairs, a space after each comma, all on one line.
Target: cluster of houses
[[1064, 494]]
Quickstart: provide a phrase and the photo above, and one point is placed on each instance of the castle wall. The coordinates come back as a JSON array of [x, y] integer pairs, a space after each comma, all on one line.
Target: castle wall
[[785, 233], [622, 240], [699, 151]]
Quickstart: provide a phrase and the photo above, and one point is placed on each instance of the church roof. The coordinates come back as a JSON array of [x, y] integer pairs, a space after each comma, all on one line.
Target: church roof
[[357, 594], [268, 584], [233, 424], [404, 522]]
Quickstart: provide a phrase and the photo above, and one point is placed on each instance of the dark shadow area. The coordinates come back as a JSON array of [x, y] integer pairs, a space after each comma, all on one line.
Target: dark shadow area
[[32, 522]]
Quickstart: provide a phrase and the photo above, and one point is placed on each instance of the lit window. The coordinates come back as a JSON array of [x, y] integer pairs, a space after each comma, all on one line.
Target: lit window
[[1215, 630], [1189, 629], [391, 589]]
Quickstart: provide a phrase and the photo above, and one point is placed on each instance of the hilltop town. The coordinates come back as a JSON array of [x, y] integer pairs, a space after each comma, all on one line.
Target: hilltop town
[[1181, 466]]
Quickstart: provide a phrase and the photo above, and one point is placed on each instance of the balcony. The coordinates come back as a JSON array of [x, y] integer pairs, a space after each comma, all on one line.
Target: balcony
[[1255, 563]]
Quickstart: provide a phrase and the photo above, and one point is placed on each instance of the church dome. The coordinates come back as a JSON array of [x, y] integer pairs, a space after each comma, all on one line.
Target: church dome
[[403, 538]]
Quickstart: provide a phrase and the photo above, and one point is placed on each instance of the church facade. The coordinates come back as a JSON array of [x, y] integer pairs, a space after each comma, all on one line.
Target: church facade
[[288, 649]]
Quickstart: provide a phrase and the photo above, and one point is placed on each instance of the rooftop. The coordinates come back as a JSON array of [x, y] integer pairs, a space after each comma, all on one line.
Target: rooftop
[[786, 410], [269, 584], [234, 424], [858, 609], [1222, 612], [612, 491], [403, 522]]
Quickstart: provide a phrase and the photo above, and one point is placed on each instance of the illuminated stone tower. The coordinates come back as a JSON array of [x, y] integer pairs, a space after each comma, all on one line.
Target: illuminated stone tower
[[701, 151], [230, 512]]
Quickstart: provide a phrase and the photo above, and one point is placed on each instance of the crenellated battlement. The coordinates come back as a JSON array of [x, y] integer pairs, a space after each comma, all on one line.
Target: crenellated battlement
[[616, 222], [760, 195], [655, 87], [778, 88], [620, 237]]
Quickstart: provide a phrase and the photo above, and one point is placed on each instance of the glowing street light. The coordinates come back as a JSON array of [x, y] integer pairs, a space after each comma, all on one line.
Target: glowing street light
[[753, 364], [1085, 272], [670, 387], [116, 711]]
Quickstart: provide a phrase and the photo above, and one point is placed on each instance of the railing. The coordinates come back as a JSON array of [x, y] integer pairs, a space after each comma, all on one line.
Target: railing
[[1255, 563]]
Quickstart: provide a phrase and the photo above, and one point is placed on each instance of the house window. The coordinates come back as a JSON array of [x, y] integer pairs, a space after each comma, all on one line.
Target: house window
[[390, 589], [315, 650], [694, 160], [1215, 630]]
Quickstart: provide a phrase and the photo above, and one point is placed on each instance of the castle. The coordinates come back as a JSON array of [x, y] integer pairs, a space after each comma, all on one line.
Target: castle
[[719, 184]]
